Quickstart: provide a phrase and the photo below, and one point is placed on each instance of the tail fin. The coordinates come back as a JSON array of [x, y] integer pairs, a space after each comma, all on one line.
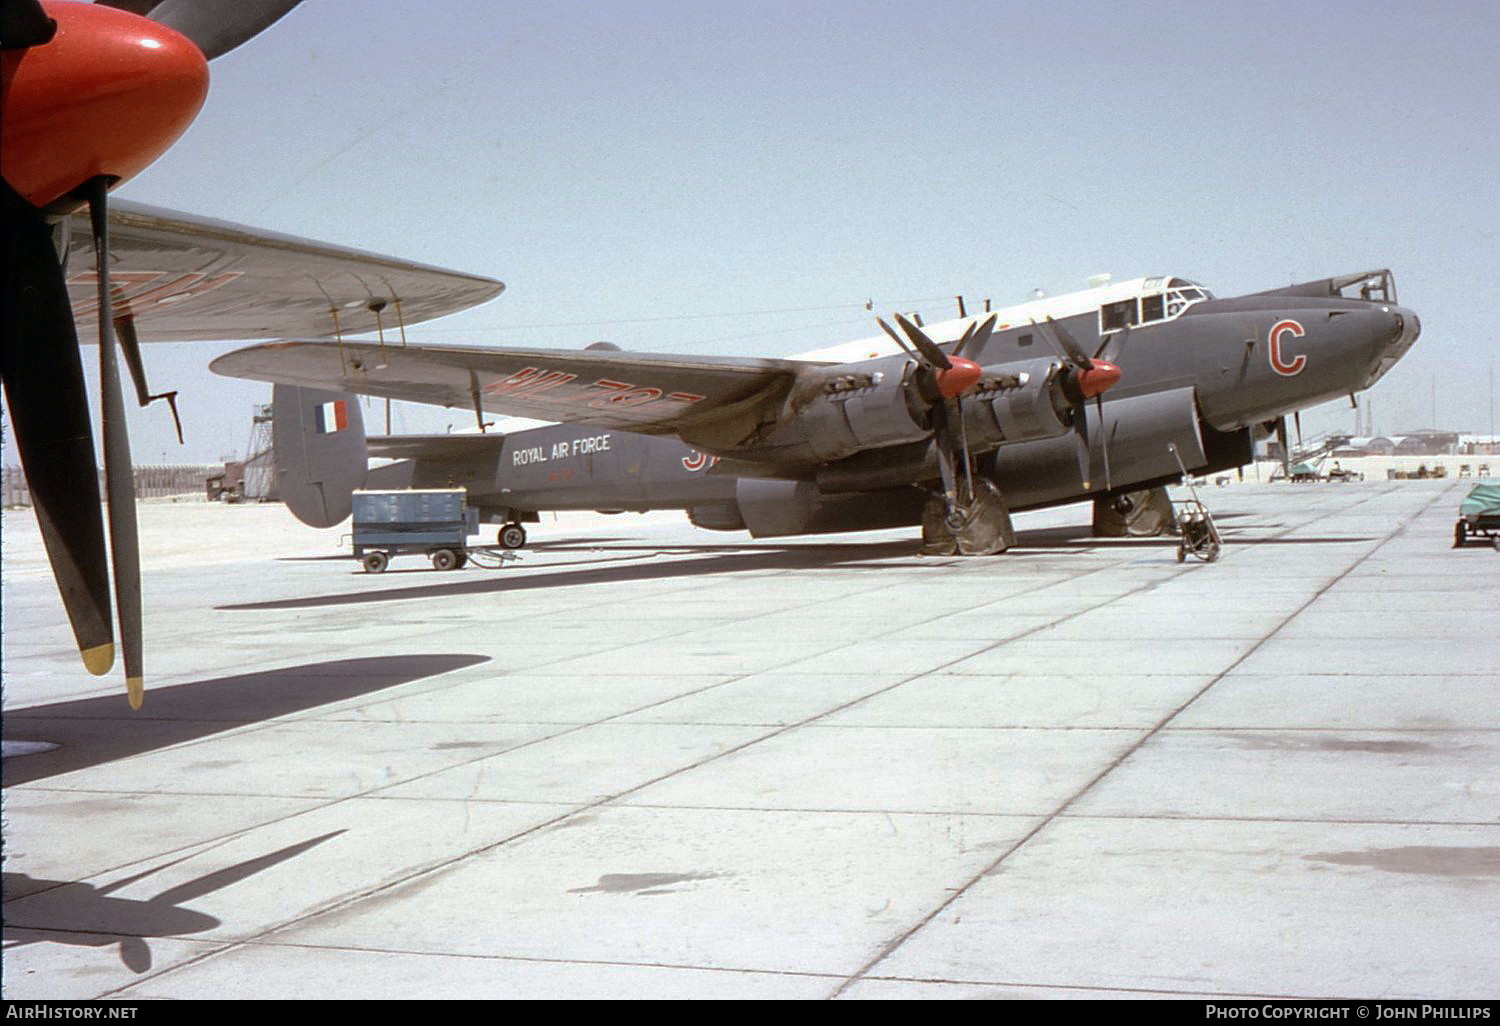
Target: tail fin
[[321, 455]]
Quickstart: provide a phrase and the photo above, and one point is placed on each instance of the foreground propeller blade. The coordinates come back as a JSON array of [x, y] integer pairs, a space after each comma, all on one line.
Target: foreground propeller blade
[[216, 26], [119, 474], [24, 23], [49, 414]]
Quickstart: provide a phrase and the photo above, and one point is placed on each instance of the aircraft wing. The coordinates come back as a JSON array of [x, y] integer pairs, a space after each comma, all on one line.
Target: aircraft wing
[[185, 278], [649, 393]]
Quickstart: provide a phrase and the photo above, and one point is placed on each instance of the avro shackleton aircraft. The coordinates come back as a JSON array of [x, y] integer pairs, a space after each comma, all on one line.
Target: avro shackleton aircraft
[[92, 94], [951, 425]]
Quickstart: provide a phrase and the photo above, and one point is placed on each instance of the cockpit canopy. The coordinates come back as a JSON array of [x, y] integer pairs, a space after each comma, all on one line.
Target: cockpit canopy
[[1160, 299]]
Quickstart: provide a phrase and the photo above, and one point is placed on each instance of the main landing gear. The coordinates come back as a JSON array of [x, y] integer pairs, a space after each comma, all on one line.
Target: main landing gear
[[512, 536]]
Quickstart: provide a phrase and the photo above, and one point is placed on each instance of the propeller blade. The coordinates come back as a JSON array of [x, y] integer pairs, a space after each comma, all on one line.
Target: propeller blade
[[1103, 441], [119, 474], [1068, 344], [49, 414], [24, 23], [925, 345], [1113, 345], [977, 337], [1081, 450], [216, 26], [901, 342]]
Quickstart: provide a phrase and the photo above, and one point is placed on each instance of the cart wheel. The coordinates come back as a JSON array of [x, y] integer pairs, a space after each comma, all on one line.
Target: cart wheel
[[1213, 552], [1495, 543], [1460, 534], [463, 560], [376, 562], [1181, 552], [445, 559], [512, 536]]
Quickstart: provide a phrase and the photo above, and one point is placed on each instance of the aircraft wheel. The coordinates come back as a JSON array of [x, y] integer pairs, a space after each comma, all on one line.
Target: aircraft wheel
[[445, 559], [512, 536], [376, 562]]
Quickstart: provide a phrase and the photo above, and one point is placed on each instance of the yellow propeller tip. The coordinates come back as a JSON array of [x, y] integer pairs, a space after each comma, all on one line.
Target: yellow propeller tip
[[135, 690], [99, 659]]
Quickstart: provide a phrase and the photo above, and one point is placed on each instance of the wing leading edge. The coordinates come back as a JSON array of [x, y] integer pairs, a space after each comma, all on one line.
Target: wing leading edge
[[184, 278], [648, 393]]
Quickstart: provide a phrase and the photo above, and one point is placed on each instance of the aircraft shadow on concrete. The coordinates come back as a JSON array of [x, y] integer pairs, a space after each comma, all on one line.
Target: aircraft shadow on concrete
[[85, 915], [92, 731], [715, 559]]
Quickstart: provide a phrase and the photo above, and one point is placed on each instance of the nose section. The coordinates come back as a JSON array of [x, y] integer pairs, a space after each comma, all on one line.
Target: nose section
[[1408, 327], [105, 96], [1403, 328]]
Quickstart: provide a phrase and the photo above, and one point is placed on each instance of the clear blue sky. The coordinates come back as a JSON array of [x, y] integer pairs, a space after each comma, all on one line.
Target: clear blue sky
[[618, 162]]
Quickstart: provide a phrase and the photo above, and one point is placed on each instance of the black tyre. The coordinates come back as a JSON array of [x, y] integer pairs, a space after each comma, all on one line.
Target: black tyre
[[376, 562], [512, 536], [445, 559]]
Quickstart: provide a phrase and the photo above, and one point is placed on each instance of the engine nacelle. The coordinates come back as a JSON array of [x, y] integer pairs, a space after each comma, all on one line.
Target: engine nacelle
[[853, 407], [875, 405], [1024, 402]]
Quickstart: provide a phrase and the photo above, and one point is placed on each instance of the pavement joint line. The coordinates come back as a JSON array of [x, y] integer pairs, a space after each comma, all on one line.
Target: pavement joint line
[[444, 864], [1049, 581], [896, 942], [326, 802]]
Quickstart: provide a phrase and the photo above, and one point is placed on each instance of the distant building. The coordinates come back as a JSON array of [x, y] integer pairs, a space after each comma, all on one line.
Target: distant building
[[1426, 443], [1367, 445]]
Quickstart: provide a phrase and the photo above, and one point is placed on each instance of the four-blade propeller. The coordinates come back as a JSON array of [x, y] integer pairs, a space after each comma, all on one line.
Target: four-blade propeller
[[1089, 378], [940, 381], [93, 94]]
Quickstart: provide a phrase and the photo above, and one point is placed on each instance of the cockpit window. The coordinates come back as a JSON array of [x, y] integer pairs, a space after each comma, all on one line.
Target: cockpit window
[[1114, 316], [1153, 308]]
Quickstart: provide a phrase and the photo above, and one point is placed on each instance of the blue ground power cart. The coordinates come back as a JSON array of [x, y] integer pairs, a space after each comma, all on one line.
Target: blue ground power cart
[[435, 522], [1479, 517]]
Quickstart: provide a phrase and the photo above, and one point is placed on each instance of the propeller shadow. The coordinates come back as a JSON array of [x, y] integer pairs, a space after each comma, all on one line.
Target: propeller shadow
[[83, 915], [92, 731]]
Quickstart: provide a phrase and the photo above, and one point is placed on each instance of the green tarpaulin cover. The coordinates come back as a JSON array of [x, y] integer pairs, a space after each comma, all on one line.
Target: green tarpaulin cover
[[1483, 500]]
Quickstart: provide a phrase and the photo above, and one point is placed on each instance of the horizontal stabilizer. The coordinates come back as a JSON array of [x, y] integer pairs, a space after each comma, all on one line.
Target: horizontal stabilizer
[[410, 447]]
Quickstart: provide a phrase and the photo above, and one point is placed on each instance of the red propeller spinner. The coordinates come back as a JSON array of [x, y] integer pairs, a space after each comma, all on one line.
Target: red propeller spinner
[[106, 96], [959, 377], [1097, 379]]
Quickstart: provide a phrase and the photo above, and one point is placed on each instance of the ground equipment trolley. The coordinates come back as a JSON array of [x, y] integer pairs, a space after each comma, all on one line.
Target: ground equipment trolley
[[435, 522], [1199, 537]]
